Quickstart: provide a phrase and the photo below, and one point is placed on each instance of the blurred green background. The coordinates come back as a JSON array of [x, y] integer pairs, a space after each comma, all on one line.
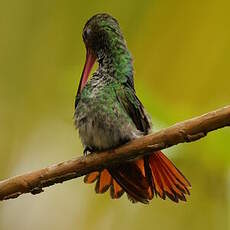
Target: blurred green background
[[181, 53]]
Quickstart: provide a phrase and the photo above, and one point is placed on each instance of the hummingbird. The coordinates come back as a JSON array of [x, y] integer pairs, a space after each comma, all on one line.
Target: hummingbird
[[108, 114]]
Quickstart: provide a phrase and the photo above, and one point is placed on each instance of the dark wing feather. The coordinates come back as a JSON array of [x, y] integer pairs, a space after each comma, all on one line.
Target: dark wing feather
[[132, 105]]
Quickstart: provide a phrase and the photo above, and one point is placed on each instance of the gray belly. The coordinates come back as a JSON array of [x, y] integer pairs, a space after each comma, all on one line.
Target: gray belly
[[101, 129]]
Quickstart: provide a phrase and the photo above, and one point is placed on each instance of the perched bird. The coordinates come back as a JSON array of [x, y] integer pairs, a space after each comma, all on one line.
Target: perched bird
[[108, 114]]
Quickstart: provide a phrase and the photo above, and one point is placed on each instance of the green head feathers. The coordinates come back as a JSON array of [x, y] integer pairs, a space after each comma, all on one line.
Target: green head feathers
[[103, 37], [101, 32]]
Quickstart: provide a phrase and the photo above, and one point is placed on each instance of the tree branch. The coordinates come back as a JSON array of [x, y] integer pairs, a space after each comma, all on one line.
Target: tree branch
[[187, 131]]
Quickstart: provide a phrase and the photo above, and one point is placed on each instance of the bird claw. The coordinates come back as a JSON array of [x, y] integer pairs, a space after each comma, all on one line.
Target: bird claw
[[87, 151]]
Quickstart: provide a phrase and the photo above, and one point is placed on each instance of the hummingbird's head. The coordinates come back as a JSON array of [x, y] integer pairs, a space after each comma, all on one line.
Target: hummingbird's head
[[101, 35], [100, 32]]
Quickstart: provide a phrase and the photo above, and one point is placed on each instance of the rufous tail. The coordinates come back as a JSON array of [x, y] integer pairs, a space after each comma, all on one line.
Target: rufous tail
[[142, 179]]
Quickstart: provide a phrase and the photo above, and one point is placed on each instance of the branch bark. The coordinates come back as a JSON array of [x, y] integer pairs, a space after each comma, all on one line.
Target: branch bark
[[187, 131]]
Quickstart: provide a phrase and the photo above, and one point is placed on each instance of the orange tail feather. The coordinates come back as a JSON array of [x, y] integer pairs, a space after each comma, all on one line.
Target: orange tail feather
[[167, 179], [116, 190], [141, 179]]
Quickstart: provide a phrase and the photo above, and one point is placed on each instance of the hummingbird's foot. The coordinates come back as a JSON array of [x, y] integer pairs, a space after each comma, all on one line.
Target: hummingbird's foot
[[88, 150]]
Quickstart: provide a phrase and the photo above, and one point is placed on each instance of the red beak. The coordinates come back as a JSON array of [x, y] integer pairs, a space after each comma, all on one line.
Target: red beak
[[89, 62]]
